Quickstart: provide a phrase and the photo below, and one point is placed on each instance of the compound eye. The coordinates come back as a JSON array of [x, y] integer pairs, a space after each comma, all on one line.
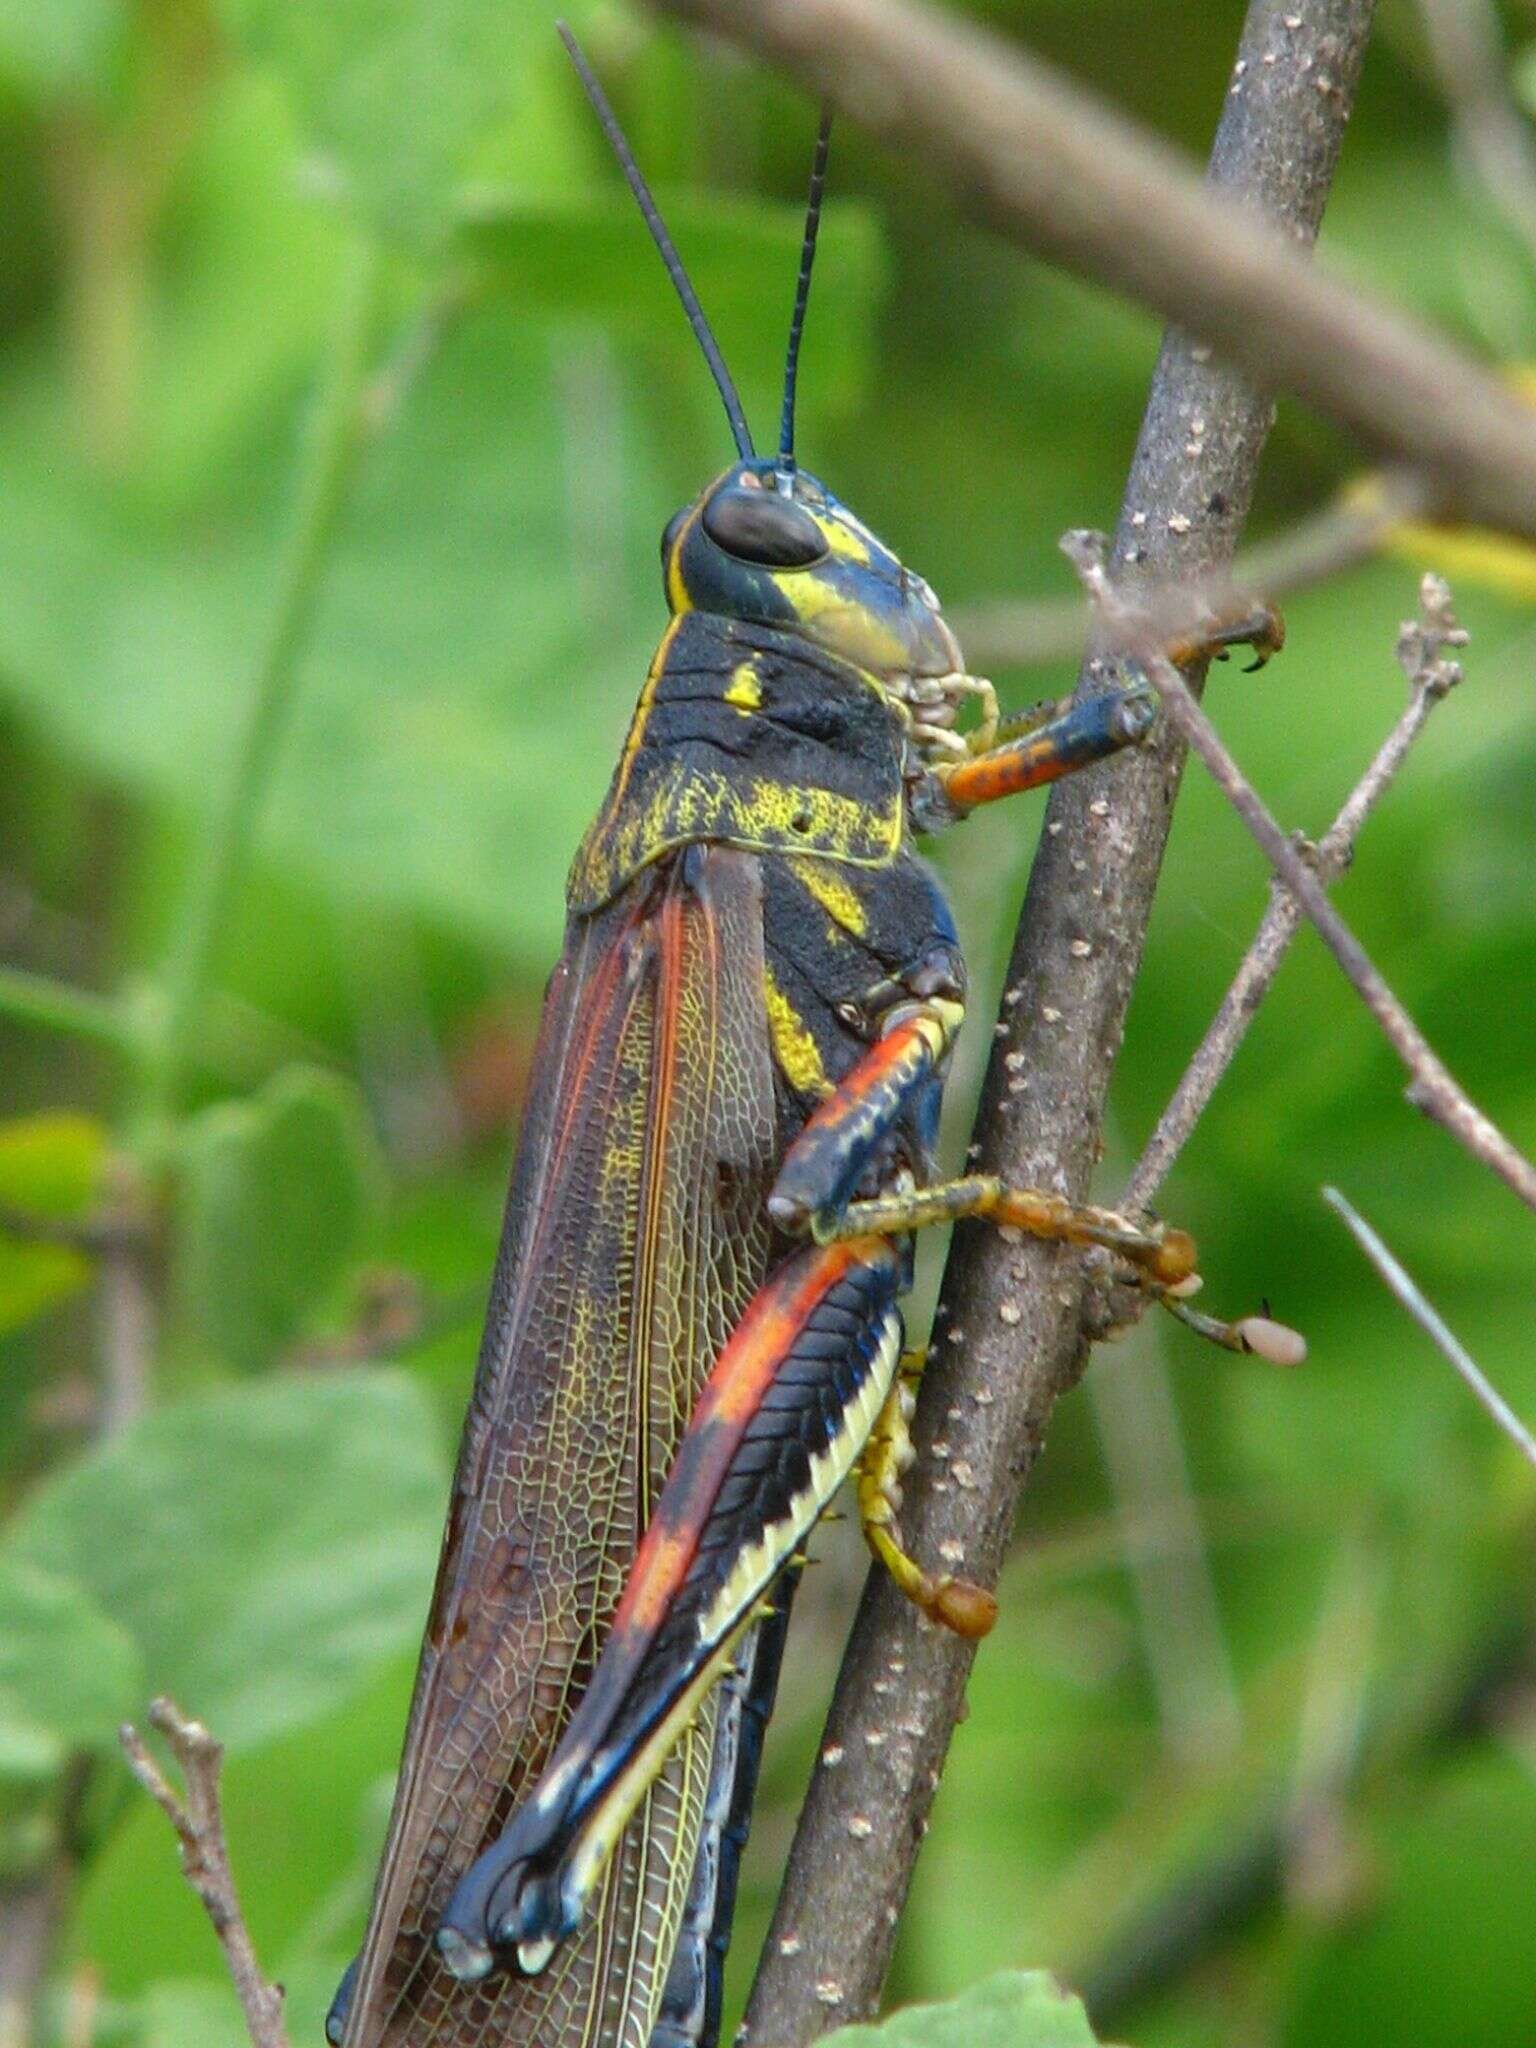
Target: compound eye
[[763, 527]]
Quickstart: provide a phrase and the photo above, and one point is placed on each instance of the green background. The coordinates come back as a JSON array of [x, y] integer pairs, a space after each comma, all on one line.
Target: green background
[[1265, 1638]]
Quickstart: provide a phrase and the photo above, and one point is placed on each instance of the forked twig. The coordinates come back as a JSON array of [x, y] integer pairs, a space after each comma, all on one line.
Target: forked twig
[[1421, 652], [1432, 1086], [199, 1823], [1401, 1284]]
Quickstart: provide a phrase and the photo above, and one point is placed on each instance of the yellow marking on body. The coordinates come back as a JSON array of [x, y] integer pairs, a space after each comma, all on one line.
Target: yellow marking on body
[[872, 648], [793, 1046], [636, 733], [837, 824], [692, 803], [745, 691], [844, 543], [840, 902], [677, 590]]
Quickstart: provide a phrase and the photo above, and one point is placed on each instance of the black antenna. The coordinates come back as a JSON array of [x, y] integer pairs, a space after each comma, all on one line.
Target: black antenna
[[663, 241], [786, 463]]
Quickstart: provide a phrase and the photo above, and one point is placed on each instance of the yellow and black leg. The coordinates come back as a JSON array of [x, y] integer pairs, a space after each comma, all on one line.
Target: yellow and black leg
[[968, 1609], [806, 1388], [1073, 738], [815, 1194], [1166, 1256], [815, 1188]]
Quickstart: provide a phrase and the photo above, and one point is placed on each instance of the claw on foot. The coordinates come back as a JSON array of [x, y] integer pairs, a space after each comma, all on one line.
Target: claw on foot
[[1258, 626], [963, 1606]]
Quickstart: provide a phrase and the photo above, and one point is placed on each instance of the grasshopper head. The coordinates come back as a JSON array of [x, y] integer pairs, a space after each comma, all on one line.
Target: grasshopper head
[[779, 550]]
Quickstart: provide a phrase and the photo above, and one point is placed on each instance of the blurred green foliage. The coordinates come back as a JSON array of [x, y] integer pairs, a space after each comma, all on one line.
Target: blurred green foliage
[[1266, 1640], [1021, 2009]]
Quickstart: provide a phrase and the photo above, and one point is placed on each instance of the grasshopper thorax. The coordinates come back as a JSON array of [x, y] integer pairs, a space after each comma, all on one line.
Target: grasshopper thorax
[[779, 550]]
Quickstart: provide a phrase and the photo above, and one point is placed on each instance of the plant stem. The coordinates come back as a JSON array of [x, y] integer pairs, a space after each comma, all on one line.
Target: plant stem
[[1399, 1282], [326, 466], [50, 1005]]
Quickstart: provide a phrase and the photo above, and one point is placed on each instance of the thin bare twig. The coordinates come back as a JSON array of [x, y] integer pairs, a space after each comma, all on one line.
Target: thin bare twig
[[119, 1238], [1431, 675], [199, 1823], [32, 1905], [1432, 1086], [1402, 1285], [1063, 175], [126, 1319], [1023, 632]]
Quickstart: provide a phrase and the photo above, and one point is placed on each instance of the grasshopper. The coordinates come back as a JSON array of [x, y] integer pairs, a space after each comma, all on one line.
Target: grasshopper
[[694, 1335]]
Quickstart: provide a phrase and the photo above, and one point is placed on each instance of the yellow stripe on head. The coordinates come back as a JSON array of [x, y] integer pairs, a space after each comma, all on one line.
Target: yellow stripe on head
[[843, 541]]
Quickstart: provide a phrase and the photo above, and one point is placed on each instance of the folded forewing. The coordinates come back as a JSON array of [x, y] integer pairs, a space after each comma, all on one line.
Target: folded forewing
[[635, 1236]]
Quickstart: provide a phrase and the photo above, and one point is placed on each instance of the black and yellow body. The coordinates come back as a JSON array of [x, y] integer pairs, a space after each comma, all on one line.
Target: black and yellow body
[[693, 1330], [694, 1335]]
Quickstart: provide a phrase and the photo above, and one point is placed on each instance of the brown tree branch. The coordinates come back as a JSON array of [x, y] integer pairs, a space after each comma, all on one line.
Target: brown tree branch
[[199, 1823], [1432, 1086], [1008, 1337], [1431, 675], [1059, 173]]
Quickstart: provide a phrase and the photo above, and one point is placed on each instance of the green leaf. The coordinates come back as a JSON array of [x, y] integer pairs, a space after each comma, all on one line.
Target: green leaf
[[493, 599], [58, 48], [1522, 76], [68, 1674], [400, 97], [50, 1167], [1450, 1859], [192, 2013], [264, 1546], [275, 1195], [1018, 2009]]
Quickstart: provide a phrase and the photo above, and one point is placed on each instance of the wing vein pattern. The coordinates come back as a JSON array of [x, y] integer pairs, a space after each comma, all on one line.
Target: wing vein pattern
[[635, 1236]]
